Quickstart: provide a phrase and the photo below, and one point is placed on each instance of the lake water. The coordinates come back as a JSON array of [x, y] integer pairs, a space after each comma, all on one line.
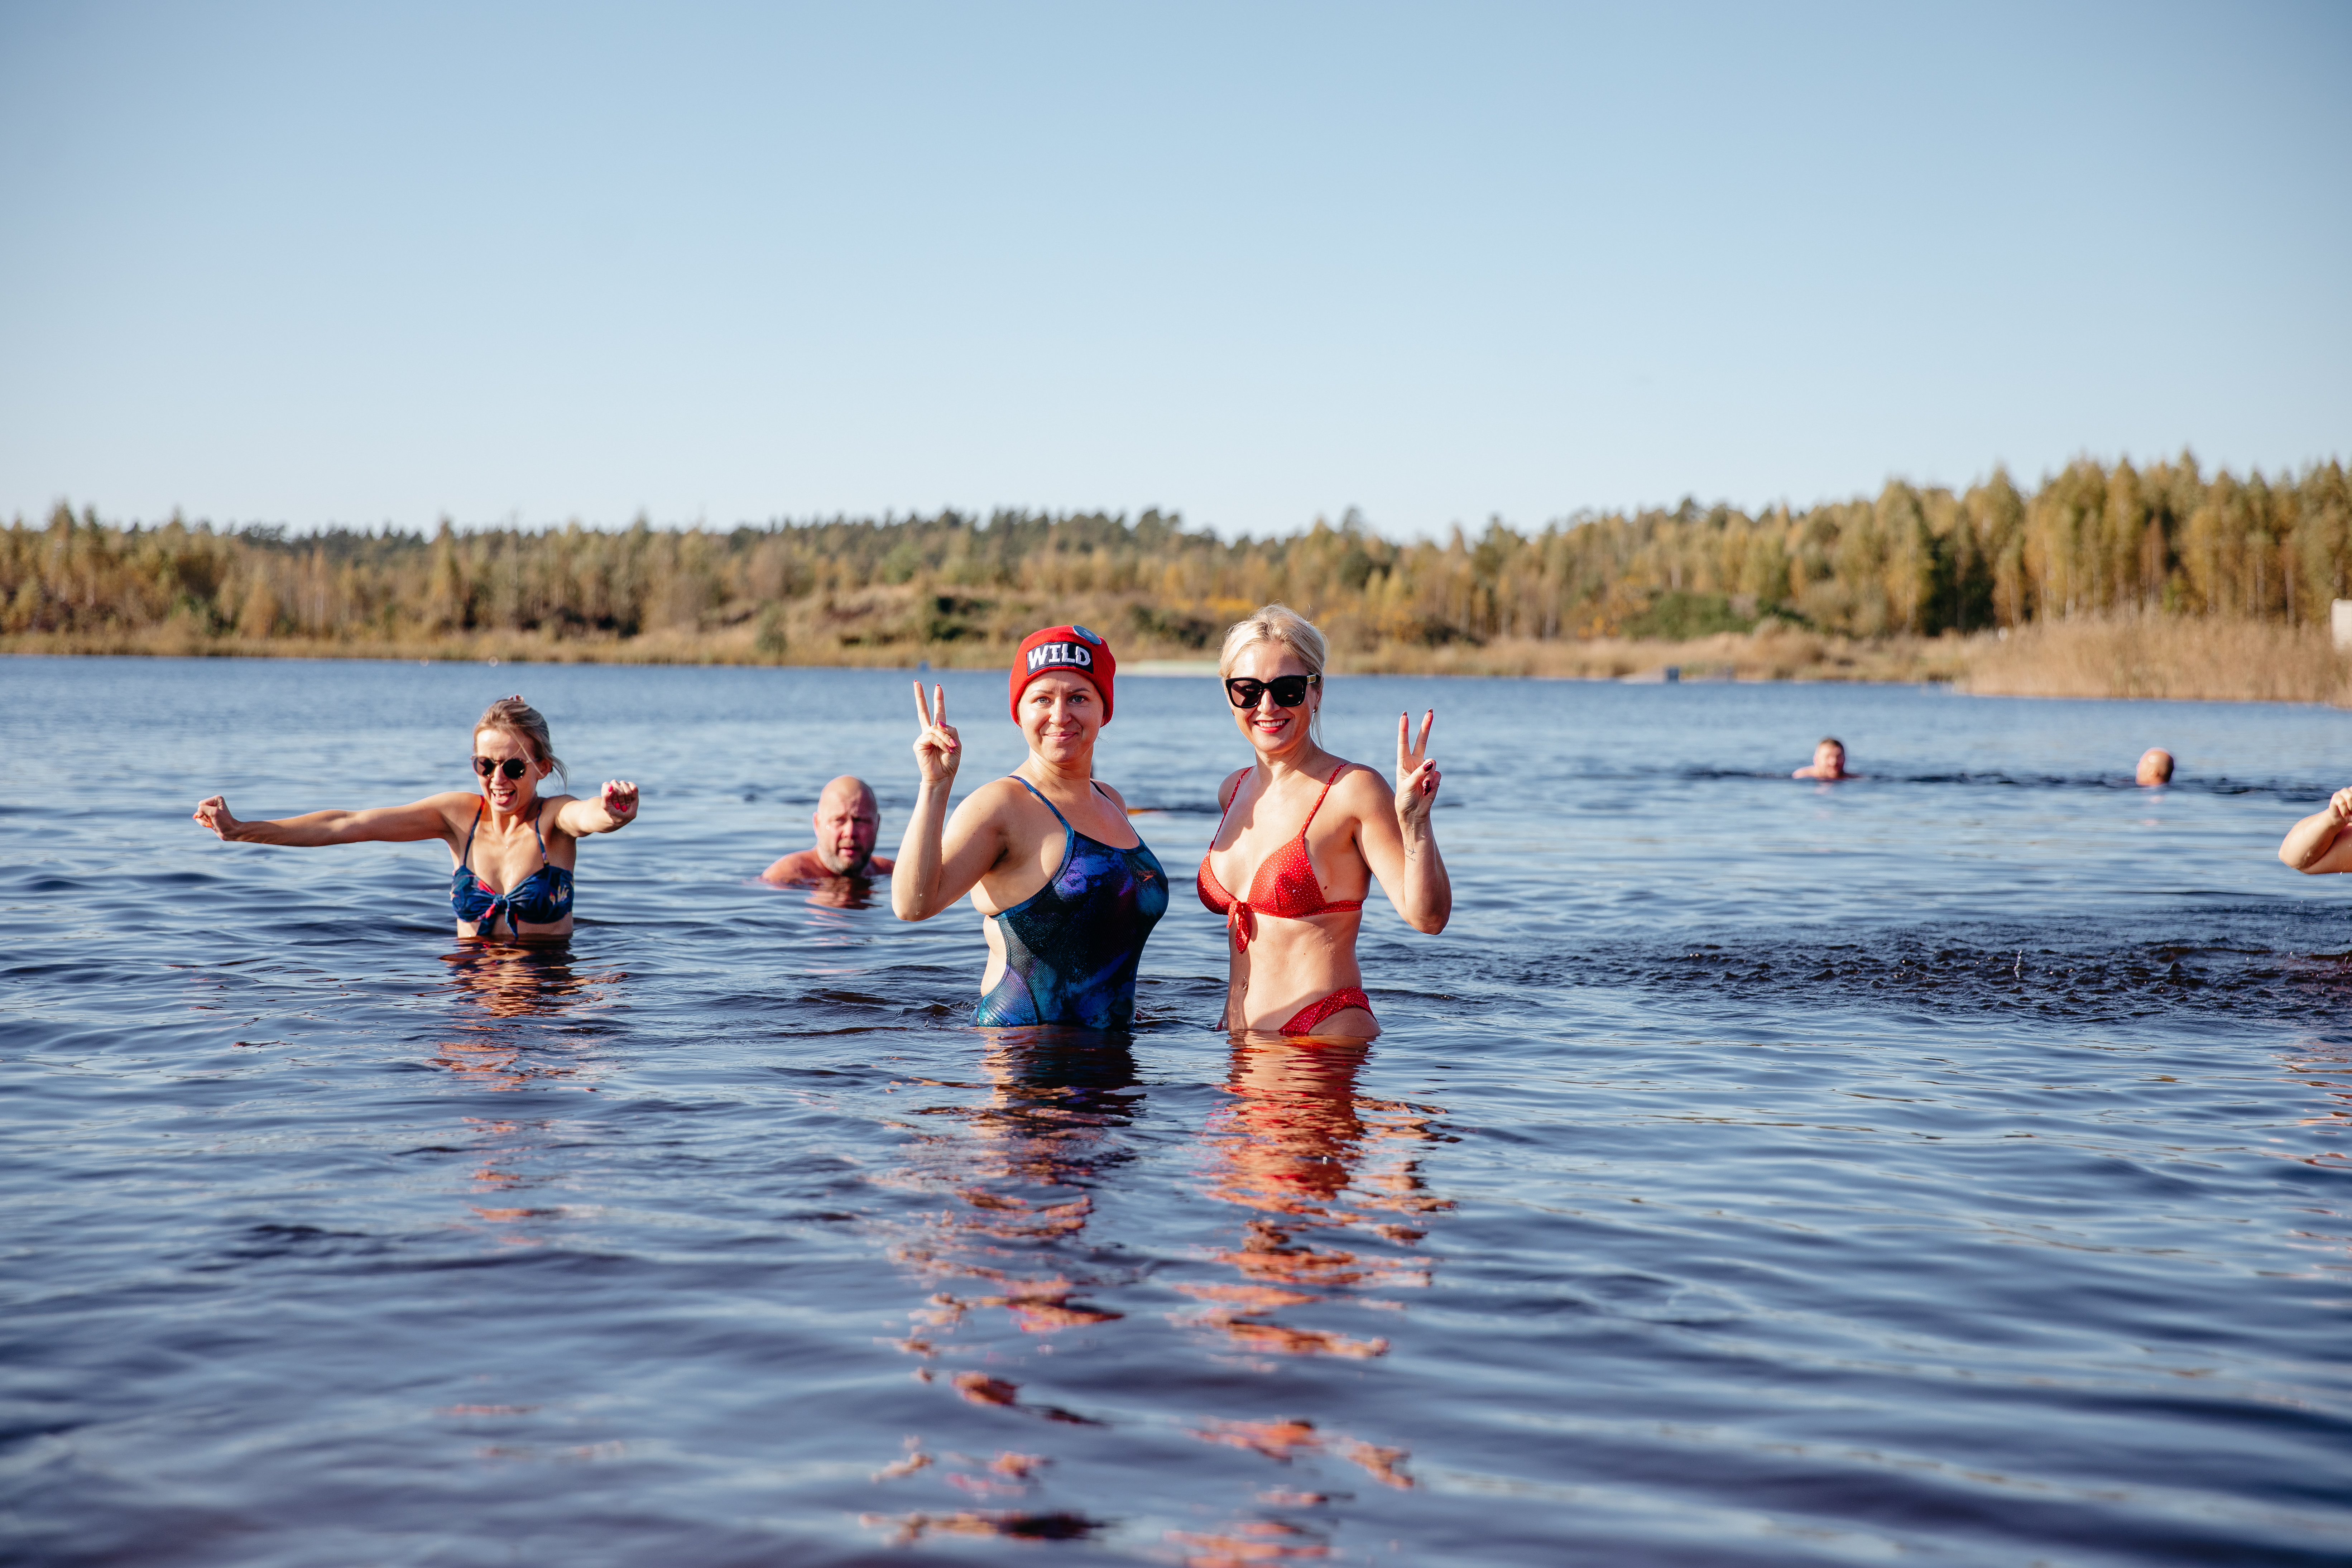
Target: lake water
[[1948, 1167]]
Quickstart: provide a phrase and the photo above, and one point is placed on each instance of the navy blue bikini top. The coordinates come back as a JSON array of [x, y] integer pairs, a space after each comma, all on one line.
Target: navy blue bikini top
[[543, 898], [1071, 947]]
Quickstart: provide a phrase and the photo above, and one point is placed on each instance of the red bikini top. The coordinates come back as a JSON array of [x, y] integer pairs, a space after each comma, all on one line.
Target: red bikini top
[[1285, 885]]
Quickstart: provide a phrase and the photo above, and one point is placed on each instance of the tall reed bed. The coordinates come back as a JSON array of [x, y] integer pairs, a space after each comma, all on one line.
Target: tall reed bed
[[2163, 655]]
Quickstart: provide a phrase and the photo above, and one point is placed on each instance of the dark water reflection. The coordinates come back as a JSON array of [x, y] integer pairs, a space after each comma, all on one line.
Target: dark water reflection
[[510, 989], [1950, 1167]]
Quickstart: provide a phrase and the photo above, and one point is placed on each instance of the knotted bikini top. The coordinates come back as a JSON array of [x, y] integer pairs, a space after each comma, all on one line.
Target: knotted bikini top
[[543, 898], [1285, 886]]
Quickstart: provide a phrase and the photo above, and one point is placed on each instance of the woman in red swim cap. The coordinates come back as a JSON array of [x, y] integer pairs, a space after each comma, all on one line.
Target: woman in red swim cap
[[1047, 854], [1299, 821]]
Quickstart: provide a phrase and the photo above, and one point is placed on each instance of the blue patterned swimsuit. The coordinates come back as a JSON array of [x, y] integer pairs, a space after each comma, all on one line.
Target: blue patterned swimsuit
[[543, 898], [1071, 947]]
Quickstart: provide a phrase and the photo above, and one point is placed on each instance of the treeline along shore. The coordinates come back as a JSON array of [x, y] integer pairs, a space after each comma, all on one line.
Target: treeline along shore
[[2102, 581]]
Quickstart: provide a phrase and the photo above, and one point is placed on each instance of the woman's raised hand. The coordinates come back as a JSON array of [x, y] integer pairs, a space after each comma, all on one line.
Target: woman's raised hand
[[213, 814], [937, 749], [1417, 774], [2340, 803], [620, 801]]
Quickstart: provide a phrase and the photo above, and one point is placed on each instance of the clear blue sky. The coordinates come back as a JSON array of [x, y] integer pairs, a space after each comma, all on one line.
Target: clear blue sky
[[345, 264]]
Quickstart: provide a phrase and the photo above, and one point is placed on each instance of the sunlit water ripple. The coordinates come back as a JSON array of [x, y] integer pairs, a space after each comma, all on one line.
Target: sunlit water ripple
[[1949, 1165]]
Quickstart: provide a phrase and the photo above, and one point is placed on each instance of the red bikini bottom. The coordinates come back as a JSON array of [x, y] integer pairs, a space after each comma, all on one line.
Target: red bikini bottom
[[1315, 1013]]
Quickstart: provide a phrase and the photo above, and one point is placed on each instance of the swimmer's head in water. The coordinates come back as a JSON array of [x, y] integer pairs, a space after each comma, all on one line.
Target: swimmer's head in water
[[1288, 629], [1829, 756], [848, 821], [2155, 766], [513, 716]]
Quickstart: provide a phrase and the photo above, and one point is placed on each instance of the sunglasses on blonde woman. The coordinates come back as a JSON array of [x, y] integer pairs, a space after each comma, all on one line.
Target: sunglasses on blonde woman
[[1289, 691], [513, 767]]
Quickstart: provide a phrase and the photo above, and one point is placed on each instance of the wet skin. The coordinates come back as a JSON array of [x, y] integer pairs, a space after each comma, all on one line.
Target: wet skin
[[505, 849], [1364, 831], [2319, 844]]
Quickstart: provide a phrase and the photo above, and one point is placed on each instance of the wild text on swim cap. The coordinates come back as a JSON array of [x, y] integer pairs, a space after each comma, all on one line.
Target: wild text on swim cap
[[1045, 655]]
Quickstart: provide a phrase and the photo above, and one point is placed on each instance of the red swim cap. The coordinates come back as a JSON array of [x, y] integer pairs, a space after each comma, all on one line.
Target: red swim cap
[[1071, 649]]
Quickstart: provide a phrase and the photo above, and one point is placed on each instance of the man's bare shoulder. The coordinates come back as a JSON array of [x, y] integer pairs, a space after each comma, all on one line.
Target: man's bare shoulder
[[806, 865], [800, 866]]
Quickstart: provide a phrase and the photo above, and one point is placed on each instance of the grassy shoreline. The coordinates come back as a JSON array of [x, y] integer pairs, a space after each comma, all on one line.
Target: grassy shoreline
[[2145, 655]]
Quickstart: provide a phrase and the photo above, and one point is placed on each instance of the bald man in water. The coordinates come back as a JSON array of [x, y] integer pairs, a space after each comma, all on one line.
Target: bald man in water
[[2155, 767], [847, 819]]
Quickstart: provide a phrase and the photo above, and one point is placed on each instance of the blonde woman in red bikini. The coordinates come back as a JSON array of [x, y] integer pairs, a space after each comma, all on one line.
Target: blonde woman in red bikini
[[1303, 836]]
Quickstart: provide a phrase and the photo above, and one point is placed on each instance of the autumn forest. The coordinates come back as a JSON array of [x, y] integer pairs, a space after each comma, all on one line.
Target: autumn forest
[[2162, 543]]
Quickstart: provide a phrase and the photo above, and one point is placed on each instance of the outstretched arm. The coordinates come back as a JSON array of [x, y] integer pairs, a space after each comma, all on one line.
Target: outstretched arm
[[611, 811], [1399, 842], [939, 860], [426, 818], [2319, 843]]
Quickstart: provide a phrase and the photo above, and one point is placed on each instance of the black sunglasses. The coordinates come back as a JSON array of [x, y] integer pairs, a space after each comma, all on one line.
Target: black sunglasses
[[513, 767], [1289, 691]]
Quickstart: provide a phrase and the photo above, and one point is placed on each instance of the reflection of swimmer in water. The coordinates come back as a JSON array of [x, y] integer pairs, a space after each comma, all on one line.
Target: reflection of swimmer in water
[[509, 982], [1025, 1166], [516, 986], [1291, 1146], [2155, 767], [848, 821], [1069, 889], [1828, 764], [1300, 821], [2319, 843], [506, 837]]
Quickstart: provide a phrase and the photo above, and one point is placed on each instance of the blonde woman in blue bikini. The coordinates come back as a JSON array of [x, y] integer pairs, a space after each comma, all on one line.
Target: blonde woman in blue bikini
[[507, 838]]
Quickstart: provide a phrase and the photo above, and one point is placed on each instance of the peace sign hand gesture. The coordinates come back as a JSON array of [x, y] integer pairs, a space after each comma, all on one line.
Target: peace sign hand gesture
[[937, 749], [1417, 774]]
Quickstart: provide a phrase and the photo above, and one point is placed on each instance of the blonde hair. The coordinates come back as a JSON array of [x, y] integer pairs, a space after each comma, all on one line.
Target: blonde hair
[[513, 716], [1279, 623]]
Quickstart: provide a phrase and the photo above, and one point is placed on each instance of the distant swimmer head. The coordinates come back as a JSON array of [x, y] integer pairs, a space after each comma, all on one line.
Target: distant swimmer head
[[1829, 761], [2155, 766], [512, 751], [1272, 666]]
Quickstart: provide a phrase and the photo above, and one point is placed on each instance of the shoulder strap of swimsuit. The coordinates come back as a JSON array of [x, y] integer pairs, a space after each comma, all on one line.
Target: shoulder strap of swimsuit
[[1040, 794], [1227, 809], [1311, 810], [535, 833], [465, 855]]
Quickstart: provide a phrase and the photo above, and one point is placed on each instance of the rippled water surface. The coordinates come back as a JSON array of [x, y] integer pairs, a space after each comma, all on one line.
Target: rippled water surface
[[1949, 1166]]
